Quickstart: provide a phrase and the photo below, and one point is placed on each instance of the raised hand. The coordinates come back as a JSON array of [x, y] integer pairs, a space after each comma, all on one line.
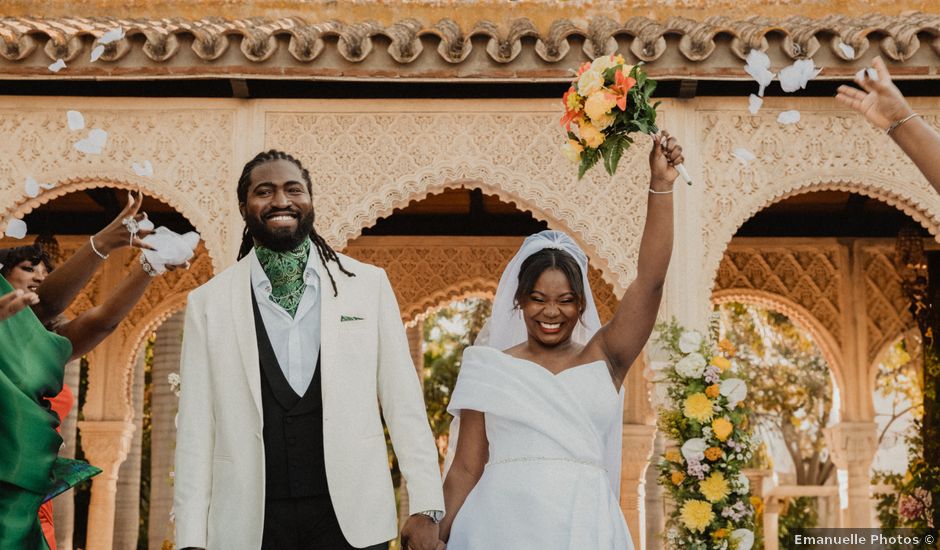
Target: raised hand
[[124, 230], [12, 303], [881, 102], [665, 154]]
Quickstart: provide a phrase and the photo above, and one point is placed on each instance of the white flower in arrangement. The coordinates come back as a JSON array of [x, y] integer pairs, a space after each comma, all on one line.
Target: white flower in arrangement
[[691, 366], [707, 432], [744, 484], [589, 82], [694, 449], [605, 62], [690, 341], [735, 390], [743, 539]]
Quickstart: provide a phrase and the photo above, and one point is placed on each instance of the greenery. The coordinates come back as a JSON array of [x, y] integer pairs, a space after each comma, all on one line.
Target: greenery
[[790, 385], [796, 515], [909, 501]]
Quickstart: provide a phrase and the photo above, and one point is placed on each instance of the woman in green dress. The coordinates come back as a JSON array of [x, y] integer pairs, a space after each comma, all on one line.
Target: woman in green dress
[[32, 362]]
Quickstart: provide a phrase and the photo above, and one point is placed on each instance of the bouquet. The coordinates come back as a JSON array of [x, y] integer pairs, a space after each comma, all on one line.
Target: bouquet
[[703, 411], [607, 102]]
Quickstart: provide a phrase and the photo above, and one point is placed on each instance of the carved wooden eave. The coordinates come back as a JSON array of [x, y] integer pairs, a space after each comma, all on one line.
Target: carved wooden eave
[[294, 47]]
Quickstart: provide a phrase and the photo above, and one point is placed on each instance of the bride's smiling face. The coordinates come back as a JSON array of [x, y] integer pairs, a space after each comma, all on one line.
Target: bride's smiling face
[[552, 310]]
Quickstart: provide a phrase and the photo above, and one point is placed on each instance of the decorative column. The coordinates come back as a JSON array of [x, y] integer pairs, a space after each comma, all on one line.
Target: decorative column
[[108, 426], [853, 446], [639, 431], [63, 506], [127, 499], [163, 406], [772, 523], [654, 504], [415, 335]]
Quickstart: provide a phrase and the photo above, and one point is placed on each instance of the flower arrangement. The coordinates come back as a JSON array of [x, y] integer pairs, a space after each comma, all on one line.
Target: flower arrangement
[[606, 103], [703, 411], [910, 500]]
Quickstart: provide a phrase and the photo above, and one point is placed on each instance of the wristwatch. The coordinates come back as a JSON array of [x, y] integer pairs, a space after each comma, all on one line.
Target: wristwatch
[[434, 515]]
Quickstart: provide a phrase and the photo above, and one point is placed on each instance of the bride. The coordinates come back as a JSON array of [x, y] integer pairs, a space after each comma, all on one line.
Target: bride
[[538, 400]]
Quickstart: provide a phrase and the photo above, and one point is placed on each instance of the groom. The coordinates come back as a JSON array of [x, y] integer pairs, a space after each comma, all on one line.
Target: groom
[[287, 357]]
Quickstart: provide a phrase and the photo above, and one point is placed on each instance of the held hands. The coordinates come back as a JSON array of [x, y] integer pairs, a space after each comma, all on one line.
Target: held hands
[[881, 102], [12, 303], [124, 230], [664, 156], [420, 533]]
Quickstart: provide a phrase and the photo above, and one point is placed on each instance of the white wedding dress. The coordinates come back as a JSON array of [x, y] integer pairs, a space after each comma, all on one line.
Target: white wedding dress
[[548, 482]]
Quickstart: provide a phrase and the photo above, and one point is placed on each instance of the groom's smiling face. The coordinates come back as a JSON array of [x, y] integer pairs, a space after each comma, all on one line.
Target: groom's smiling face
[[551, 311], [278, 208]]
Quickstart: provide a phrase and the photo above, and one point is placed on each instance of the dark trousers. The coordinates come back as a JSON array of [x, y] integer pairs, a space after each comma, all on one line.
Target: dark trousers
[[304, 524]]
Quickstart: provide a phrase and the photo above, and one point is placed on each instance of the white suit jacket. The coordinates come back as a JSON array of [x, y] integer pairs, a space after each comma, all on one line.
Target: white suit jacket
[[219, 478]]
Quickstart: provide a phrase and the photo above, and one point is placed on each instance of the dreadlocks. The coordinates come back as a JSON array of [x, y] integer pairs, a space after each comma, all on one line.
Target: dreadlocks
[[324, 251]]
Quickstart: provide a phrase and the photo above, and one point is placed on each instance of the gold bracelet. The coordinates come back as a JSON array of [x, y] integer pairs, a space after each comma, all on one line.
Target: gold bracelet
[[894, 126]]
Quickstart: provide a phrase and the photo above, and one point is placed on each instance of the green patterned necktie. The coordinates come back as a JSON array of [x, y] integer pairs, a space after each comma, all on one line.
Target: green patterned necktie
[[285, 270]]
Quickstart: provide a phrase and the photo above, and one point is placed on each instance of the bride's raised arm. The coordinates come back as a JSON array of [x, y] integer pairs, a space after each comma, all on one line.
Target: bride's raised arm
[[624, 336]]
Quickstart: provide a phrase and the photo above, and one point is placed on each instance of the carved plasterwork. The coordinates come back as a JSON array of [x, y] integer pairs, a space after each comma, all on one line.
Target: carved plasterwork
[[191, 150], [430, 272], [542, 44], [886, 306], [826, 150]]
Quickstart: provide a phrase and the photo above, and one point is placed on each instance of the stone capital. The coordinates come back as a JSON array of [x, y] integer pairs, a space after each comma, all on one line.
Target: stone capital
[[852, 444]]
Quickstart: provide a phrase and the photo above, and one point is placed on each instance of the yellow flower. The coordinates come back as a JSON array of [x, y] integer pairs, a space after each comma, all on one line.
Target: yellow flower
[[714, 453], [599, 104], [758, 504], [673, 455], [572, 150], [621, 61], [698, 407], [677, 477], [726, 346], [713, 391], [696, 515], [714, 487], [722, 428], [721, 362], [573, 101], [591, 136]]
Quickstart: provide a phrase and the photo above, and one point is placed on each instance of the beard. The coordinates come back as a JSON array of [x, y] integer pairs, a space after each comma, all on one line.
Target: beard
[[280, 239]]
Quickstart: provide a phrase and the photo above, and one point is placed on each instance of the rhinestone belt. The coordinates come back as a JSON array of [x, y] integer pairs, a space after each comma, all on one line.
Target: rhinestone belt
[[548, 459]]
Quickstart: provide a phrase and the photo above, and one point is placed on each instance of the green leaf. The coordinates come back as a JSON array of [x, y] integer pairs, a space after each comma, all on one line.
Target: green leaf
[[588, 159]]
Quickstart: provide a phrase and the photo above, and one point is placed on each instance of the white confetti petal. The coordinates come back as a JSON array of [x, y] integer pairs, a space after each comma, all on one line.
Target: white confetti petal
[[57, 66], [145, 224], [96, 53], [744, 155], [144, 170], [849, 51], [32, 187], [116, 33], [788, 117], [758, 65], [754, 104], [16, 229], [797, 75], [872, 73], [76, 120], [94, 143], [47, 186], [860, 75]]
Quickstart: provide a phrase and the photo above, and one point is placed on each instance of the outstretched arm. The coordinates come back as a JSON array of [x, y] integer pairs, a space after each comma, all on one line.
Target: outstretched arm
[[469, 460], [883, 105], [91, 327], [625, 335], [62, 285]]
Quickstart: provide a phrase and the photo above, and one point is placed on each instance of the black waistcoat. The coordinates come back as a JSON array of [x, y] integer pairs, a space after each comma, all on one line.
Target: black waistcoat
[[293, 427]]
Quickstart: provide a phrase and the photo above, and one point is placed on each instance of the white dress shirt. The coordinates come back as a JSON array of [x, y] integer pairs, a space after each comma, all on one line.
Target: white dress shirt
[[296, 340]]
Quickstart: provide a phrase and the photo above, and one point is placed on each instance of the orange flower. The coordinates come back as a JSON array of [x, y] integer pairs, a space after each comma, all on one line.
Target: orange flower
[[673, 456], [677, 477], [722, 428], [573, 103], [758, 504], [721, 533], [726, 346], [621, 87], [713, 391], [713, 453], [584, 66]]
